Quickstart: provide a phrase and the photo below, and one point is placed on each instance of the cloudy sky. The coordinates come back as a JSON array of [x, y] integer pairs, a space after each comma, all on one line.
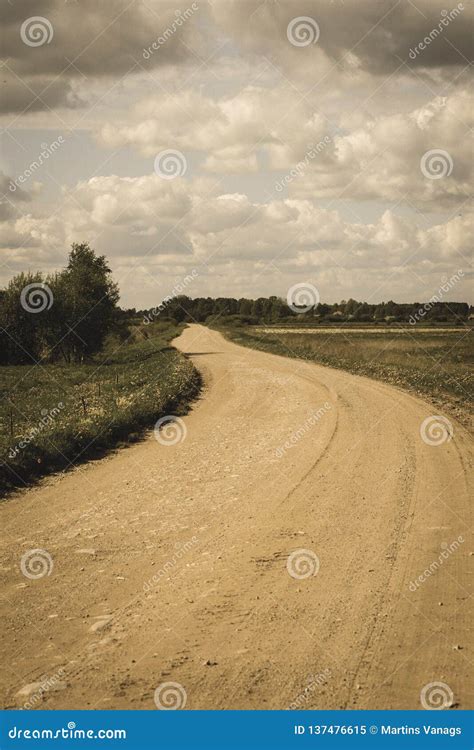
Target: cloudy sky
[[262, 143]]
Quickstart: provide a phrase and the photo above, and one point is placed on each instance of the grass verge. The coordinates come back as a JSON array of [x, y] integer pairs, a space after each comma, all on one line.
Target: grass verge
[[434, 363], [54, 416]]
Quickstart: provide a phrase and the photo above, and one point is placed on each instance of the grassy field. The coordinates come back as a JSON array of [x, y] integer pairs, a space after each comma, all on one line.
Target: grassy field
[[435, 363], [53, 416]]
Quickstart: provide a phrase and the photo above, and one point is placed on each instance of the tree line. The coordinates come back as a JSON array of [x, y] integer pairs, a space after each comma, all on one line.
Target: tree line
[[64, 316], [273, 309]]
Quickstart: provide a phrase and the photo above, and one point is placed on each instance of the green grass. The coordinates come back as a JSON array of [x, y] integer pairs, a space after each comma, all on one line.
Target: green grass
[[433, 363], [89, 408]]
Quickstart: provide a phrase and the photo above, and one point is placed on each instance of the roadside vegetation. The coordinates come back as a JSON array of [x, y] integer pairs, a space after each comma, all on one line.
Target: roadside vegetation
[[111, 378], [432, 362], [54, 416]]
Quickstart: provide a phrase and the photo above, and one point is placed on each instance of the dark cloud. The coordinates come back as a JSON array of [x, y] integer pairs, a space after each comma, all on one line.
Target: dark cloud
[[378, 32], [87, 39]]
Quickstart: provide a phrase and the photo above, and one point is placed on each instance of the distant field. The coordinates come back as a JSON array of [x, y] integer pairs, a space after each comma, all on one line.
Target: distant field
[[52, 416], [432, 362]]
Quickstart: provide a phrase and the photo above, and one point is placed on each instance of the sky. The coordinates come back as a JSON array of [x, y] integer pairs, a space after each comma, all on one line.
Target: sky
[[248, 145]]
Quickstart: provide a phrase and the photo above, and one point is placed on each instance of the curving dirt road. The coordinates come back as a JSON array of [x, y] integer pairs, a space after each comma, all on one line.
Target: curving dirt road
[[171, 561]]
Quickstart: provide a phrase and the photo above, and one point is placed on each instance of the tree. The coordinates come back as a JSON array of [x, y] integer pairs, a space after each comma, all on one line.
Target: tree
[[22, 318], [88, 299]]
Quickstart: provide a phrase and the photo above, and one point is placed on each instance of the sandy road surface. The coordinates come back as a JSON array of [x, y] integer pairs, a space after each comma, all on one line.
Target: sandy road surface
[[170, 561]]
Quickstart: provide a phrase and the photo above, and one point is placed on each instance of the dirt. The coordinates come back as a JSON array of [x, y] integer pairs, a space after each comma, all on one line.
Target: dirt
[[170, 561]]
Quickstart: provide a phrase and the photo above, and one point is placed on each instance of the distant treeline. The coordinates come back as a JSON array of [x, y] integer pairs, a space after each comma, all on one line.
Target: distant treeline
[[276, 310]]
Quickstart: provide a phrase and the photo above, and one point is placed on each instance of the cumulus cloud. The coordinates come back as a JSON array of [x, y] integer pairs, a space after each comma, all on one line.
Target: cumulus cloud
[[150, 228]]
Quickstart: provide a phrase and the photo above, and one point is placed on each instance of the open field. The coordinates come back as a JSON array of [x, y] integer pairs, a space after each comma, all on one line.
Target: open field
[[436, 363], [53, 416]]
